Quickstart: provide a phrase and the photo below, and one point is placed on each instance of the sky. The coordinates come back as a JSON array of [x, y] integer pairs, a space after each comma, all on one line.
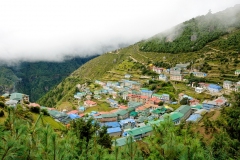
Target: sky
[[50, 30]]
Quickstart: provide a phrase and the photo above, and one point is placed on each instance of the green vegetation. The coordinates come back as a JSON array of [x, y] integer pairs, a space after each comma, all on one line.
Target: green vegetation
[[29, 115], [37, 78], [7, 79], [194, 34], [101, 106], [24, 140]]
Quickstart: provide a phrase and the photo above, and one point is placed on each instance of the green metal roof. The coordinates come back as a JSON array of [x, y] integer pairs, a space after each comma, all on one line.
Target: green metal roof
[[143, 88], [109, 115], [97, 96], [135, 92], [199, 106], [130, 109], [175, 115], [134, 104], [121, 112], [157, 95], [159, 110], [16, 96], [133, 113], [122, 141], [183, 109], [140, 130], [229, 82], [157, 122], [141, 119]]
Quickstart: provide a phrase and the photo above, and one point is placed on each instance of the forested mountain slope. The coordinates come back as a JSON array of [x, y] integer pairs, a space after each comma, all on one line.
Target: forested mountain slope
[[195, 33], [37, 78]]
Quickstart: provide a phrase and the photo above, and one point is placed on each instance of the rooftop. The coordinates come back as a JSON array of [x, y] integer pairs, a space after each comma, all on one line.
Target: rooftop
[[16, 96], [122, 141], [114, 130], [175, 115], [121, 112], [111, 124], [140, 130], [183, 109]]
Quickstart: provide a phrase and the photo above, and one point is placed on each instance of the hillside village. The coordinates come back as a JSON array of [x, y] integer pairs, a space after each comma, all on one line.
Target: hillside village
[[132, 108], [175, 95]]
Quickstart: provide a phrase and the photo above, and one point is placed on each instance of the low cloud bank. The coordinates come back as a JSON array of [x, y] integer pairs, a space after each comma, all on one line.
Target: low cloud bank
[[50, 31]]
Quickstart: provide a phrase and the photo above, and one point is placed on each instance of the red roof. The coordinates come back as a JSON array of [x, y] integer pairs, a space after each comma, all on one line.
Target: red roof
[[219, 100], [90, 102], [73, 112], [81, 115], [122, 107], [115, 110], [154, 99], [141, 108], [34, 105], [144, 97], [103, 112]]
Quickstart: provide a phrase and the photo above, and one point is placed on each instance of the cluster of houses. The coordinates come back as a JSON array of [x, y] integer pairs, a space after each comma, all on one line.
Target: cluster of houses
[[231, 86], [215, 88], [143, 110], [15, 98], [237, 72], [176, 73]]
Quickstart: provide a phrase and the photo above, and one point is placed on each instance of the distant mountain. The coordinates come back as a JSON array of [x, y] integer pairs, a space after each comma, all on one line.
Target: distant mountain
[[37, 78], [209, 43], [195, 33], [7, 79]]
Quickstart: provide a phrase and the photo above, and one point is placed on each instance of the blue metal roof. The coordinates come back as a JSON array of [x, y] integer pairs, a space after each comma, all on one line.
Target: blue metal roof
[[73, 116], [111, 124], [214, 86], [128, 120], [194, 117], [147, 91], [114, 130]]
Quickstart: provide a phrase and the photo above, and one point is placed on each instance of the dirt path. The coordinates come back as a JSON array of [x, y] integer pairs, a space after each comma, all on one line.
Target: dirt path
[[216, 115], [214, 49], [136, 60]]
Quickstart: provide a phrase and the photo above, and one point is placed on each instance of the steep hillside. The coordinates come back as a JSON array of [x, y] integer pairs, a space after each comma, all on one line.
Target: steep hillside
[[194, 34], [219, 57], [7, 79], [37, 78], [94, 69]]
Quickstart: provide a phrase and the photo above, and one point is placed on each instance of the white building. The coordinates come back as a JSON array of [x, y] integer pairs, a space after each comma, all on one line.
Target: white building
[[199, 89]]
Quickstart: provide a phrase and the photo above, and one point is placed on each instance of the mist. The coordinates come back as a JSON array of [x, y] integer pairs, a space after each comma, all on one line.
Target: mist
[[53, 30]]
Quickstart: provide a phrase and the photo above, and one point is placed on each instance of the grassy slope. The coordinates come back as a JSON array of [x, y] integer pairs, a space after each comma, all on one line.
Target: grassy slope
[[93, 69], [46, 120]]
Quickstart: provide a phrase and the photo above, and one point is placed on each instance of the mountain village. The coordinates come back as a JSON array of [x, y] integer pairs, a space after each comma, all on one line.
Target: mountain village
[[134, 108]]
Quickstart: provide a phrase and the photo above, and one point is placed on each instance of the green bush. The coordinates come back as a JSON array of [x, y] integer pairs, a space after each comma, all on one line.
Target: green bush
[[45, 112], [1, 113], [184, 101], [35, 109], [2, 105]]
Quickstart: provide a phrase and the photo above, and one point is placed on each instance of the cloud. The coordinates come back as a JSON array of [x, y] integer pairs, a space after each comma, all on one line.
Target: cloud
[[51, 30]]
